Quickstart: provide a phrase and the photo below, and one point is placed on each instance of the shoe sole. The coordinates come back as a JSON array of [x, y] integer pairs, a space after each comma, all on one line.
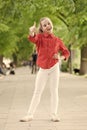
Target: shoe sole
[[56, 120], [22, 120]]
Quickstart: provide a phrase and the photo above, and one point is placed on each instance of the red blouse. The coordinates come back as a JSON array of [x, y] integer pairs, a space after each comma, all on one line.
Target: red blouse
[[48, 45]]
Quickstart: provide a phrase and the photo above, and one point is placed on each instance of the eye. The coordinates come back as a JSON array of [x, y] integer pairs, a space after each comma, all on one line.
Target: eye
[[44, 25], [48, 23]]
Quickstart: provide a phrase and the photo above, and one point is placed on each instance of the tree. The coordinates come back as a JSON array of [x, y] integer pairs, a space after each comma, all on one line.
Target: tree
[[13, 29], [75, 18], [81, 32]]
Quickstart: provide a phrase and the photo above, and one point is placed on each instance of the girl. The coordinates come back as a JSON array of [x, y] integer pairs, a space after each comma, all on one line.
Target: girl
[[48, 47]]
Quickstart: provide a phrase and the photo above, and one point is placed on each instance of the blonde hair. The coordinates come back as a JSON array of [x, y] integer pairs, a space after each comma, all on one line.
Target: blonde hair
[[40, 26]]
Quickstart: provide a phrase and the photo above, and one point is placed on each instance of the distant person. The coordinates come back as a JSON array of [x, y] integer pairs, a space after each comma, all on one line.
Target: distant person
[[3, 69], [48, 47], [12, 68], [34, 65]]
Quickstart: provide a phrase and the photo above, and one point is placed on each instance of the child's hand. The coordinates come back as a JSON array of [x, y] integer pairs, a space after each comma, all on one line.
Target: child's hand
[[56, 56], [32, 29]]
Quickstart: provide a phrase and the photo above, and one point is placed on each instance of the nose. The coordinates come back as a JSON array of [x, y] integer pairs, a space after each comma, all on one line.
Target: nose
[[48, 26]]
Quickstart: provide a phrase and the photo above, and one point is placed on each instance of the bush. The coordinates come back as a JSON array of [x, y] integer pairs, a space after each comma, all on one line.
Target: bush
[[64, 67]]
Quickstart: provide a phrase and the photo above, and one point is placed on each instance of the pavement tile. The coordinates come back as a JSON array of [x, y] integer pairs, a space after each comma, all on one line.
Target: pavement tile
[[2, 125], [16, 127], [16, 93], [42, 128]]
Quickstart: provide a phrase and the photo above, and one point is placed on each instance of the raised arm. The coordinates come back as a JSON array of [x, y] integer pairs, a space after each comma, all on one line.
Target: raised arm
[[33, 37], [32, 30]]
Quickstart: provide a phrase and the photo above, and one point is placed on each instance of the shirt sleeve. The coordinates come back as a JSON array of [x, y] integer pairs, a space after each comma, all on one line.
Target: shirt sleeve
[[34, 39], [65, 52]]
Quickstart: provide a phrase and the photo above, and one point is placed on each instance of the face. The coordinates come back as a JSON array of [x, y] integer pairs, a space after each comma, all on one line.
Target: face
[[46, 25]]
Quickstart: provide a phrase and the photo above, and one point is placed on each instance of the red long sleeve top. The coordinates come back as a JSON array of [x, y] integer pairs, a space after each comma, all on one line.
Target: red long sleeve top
[[47, 45]]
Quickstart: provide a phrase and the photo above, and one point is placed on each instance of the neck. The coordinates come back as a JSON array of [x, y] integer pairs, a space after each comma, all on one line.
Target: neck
[[47, 32]]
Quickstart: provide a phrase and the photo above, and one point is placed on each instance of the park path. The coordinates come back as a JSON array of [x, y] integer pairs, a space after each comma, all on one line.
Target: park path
[[16, 93]]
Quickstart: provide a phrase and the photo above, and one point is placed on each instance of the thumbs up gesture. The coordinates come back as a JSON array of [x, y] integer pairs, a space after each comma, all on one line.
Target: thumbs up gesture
[[34, 24], [32, 29]]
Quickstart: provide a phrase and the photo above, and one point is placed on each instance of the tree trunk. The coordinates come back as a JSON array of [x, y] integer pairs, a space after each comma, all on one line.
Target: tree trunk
[[1, 59], [14, 58], [83, 66], [70, 60]]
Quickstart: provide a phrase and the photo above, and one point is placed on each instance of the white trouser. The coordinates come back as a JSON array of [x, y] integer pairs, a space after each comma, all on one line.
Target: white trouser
[[41, 80]]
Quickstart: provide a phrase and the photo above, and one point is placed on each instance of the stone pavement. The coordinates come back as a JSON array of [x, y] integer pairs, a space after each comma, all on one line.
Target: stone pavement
[[16, 93]]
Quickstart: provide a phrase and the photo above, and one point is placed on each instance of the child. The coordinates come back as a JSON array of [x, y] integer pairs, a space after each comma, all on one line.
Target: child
[[48, 47]]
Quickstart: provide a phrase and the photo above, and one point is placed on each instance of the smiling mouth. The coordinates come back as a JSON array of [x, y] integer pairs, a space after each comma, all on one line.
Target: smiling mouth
[[49, 29]]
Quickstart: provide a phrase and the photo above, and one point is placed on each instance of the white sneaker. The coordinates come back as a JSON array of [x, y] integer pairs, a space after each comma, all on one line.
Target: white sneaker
[[55, 118], [26, 119]]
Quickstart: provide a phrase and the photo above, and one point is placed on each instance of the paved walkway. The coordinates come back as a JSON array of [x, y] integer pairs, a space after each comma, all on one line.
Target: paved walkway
[[16, 93]]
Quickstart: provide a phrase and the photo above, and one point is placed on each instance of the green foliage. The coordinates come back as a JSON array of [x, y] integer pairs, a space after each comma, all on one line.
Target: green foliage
[[64, 67], [77, 24], [3, 28], [7, 41], [25, 49]]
